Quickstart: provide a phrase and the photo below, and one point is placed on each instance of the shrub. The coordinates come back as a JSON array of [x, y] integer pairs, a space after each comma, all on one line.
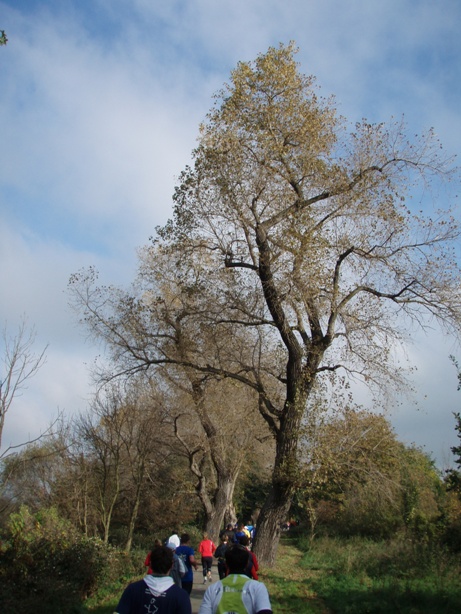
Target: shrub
[[46, 566]]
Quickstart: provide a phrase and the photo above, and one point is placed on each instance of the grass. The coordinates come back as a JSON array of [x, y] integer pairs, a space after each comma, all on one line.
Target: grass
[[290, 586], [105, 600], [349, 576], [357, 576]]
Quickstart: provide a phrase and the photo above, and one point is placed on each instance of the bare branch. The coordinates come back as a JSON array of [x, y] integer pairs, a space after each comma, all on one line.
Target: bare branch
[[20, 364]]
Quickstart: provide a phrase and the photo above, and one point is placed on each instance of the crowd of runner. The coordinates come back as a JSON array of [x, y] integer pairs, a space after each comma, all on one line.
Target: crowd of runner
[[167, 586]]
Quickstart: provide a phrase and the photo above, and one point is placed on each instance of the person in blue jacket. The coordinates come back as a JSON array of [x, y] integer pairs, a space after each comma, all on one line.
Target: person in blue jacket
[[186, 554]]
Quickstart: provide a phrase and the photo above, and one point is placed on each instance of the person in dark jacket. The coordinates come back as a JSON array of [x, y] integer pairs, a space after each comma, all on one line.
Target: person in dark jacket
[[219, 553], [157, 591]]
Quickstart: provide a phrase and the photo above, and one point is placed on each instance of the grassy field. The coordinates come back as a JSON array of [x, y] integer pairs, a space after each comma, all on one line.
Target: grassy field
[[290, 585], [355, 576], [359, 576]]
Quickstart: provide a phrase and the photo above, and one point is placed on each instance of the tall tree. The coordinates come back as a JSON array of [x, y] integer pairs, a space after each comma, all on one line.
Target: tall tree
[[321, 248], [295, 236]]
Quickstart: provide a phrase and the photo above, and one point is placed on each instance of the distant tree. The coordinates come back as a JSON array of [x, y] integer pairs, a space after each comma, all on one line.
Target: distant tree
[[20, 364], [453, 487], [359, 479], [342, 455], [29, 476], [122, 436], [215, 420], [454, 475], [144, 433], [421, 491], [3, 38]]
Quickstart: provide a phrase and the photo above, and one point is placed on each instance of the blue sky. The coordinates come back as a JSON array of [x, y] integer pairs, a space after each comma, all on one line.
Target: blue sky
[[100, 103]]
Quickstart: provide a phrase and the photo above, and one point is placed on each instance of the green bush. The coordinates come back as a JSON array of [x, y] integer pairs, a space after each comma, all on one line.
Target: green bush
[[47, 566]]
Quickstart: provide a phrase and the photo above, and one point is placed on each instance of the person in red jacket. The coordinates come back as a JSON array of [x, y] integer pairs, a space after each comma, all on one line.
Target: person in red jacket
[[252, 568], [206, 549]]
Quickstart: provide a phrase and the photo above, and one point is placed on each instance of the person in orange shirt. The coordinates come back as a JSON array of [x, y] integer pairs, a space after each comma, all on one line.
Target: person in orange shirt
[[206, 549]]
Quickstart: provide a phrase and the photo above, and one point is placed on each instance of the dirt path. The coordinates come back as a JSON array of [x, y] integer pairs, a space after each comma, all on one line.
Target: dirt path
[[288, 559], [199, 588]]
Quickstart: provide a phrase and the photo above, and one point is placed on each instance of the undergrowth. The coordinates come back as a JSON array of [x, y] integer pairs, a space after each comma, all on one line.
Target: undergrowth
[[358, 575]]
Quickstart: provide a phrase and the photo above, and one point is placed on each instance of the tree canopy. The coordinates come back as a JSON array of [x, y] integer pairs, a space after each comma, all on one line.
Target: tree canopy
[[298, 236]]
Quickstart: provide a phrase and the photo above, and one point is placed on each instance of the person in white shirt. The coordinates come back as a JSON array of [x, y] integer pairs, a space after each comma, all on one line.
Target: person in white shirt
[[236, 593], [174, 539]]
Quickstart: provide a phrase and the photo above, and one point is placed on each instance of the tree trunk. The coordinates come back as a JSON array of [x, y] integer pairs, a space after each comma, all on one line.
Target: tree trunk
[[133, 518], [277, 505], [221, 504], [230, 515], [284, 477], [273, 514], [107, 511]]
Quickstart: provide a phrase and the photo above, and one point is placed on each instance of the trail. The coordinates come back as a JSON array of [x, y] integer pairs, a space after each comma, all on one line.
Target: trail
[[287, 569], [199, 588]]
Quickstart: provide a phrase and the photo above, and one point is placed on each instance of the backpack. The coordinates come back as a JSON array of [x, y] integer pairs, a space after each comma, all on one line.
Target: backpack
[[181, 567], [231, 599], [178, 571]]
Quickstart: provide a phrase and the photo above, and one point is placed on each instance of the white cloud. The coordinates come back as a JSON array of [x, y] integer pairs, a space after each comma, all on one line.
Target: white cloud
[[93, 144], [427, 419]]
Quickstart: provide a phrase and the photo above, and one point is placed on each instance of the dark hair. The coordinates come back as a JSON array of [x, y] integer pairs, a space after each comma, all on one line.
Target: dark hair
[[236, 558], [161, 560], [185, 537], [243, 540]]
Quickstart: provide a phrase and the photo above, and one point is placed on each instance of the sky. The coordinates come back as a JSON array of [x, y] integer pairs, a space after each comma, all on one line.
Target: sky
[[100, 103]]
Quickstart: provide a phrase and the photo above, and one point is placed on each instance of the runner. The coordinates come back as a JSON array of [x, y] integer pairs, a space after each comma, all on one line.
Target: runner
[[252, 568], [157, 591], [206, 549], [236, 593], [186, 553], [219, 553]]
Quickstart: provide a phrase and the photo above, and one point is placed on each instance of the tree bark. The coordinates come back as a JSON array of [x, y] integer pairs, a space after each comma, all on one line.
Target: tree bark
[[273, 514], [277, 505], [222, 502], [134, 515]]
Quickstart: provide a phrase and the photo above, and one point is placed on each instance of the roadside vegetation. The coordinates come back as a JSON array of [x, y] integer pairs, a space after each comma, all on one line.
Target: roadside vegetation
[[359, 575], [374, 527], [46, 566]]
